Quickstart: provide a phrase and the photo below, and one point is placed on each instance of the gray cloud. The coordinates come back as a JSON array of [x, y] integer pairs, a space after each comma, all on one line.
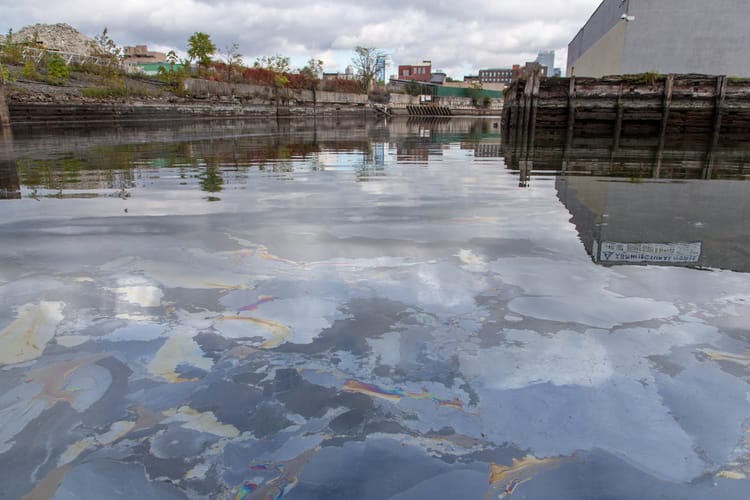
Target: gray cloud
[[459, 37]]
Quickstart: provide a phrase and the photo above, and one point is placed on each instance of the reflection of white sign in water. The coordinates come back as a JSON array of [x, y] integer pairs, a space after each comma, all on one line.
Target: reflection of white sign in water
[[669, 253]]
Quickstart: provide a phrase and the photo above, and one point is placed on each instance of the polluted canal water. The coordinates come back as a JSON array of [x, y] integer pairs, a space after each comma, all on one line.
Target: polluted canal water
[[369, 310]]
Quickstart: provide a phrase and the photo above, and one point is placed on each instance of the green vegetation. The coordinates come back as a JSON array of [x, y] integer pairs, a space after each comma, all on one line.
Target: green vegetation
[[116, 90], [475, 93], [413, 88], [11, 52], [4, 74], [104, 92], [29, 71], [201, 48], [649, 77], [57, 71], [279, 65], [104, 76]]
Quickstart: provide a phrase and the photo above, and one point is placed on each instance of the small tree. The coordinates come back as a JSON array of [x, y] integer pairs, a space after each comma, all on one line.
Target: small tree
[[232, 56], [475, 92], [365, 62], [201, 48], [314, 68], [12, 52], [312, 72], [279, 65], [107, 47]]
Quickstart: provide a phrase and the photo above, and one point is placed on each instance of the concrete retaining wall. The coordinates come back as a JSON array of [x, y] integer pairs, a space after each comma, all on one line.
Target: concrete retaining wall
[[400, 104], [244, 91]]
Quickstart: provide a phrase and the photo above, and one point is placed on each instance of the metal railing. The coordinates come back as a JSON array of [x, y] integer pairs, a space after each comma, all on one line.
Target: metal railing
[[37, 54]]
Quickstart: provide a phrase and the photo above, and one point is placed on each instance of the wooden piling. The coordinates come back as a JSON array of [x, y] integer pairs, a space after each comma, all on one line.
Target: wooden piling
[[570, 128], [618, 121], [571, 112], [721, 93], [666, 104], [4, 113], [534, 107]]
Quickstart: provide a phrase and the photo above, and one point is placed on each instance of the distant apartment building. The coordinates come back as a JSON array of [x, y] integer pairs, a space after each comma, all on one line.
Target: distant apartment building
[[663, 36], [381, 68], [140, 54], [418, 72], [547, 59], [496, 75]]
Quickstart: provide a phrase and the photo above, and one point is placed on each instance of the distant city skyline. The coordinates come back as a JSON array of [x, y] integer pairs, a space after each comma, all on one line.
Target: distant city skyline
[[459, 40]]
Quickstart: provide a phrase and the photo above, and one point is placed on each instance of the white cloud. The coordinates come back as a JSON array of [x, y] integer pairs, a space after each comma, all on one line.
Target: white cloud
[[458, 38]]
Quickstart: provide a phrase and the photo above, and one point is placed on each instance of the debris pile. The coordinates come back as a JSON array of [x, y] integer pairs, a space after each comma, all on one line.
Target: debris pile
[[59, 37]]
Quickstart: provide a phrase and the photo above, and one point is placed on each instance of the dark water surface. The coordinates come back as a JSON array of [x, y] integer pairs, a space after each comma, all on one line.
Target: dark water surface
[[362, 310]]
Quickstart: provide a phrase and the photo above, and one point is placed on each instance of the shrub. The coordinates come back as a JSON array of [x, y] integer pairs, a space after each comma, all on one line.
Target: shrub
[[12, 52], [413, 88], [104, 92], [343, 85], [57, 70], [29, 71]]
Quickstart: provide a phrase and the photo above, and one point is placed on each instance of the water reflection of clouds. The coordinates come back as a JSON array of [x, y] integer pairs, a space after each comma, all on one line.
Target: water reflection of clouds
[[440, 319]]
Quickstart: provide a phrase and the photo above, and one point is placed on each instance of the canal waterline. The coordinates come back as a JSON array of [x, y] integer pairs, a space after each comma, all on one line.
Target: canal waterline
[[365, 309]]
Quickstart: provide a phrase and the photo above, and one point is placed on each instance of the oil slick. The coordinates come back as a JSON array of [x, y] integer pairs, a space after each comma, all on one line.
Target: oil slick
[[172, 273], [79, 382], [251, 249], [504, 480], [117, 431], [739, 469], [179, 349], [286, 477], [200, 421], [245, 490], [738, 359], [396, 395], [26, 338], [254, 306], [280, 333]]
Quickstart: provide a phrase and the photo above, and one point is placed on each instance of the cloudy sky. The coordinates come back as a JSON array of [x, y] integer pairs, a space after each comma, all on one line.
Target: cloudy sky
[[458, 36]]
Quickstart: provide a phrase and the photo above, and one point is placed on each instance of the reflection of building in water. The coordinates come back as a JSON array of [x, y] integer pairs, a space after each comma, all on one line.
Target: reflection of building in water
[[418, 139], [379, 153], [413, 152], [697, 223], [484, 150]]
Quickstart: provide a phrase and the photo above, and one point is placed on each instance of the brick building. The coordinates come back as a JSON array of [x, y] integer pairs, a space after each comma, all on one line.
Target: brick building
[[418, 72], [496, 75]]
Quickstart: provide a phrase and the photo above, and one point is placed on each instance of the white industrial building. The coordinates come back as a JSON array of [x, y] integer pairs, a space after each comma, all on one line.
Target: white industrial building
[[663, 36]]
